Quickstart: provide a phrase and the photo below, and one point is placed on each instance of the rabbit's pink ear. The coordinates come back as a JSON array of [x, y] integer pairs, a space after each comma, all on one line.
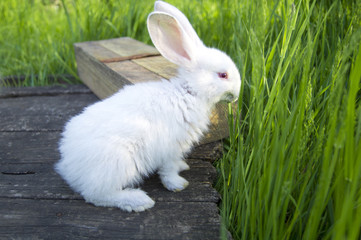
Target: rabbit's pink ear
[[160, 6], [170, 39]]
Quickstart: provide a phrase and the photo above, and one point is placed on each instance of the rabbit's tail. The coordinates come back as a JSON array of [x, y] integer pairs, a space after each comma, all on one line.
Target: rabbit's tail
[[127, 199]]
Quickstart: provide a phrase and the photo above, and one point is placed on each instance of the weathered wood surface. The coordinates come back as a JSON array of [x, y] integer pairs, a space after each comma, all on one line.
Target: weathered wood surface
[[106, 66], [36, 203]]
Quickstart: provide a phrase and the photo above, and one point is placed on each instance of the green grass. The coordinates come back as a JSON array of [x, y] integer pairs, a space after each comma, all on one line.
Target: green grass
[[36, 36], [292, 165]]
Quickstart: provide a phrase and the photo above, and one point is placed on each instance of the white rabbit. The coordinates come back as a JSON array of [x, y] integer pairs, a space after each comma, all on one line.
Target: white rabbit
[[148, 127]]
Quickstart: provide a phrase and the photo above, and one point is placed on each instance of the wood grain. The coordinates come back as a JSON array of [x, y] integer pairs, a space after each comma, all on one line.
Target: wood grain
[[133, 72], [127, 47], [158, 65], [99, 78], [40, 181], [72, 219], [97, 51]]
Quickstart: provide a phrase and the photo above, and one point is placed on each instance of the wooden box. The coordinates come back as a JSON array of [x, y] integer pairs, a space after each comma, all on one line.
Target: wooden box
[[106, 66]]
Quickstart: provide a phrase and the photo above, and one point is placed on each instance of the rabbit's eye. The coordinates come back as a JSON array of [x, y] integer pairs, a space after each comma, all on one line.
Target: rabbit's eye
[[223, 75]]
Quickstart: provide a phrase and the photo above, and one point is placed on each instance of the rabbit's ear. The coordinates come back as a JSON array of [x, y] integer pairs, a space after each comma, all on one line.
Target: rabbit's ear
[[171, 40], [160, 6]]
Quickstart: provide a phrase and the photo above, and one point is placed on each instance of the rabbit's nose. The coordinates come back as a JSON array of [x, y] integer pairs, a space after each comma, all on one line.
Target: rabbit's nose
[[229, 97]]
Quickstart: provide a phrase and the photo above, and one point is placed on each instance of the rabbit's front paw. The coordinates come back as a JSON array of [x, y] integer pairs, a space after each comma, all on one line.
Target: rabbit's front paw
[[182, 166], [174, 182], [127, 199], [136, 200]]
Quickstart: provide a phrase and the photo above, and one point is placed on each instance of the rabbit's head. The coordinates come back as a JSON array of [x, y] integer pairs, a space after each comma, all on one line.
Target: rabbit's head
[[209, 72]]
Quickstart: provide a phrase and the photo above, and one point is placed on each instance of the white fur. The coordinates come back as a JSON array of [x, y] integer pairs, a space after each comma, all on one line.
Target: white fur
[[148, 127]]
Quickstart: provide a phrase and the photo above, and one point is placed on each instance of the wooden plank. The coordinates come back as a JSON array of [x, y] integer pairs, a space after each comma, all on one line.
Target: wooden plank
[[127, 47], [99, 78], [208, 152], [133, 72], [41, 113], [104, 79], [32, 147], [158, 65], [40, 181], [12, 92], [58, 219], [37, 147], [117, 49], [96, 50], [29, 173]]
